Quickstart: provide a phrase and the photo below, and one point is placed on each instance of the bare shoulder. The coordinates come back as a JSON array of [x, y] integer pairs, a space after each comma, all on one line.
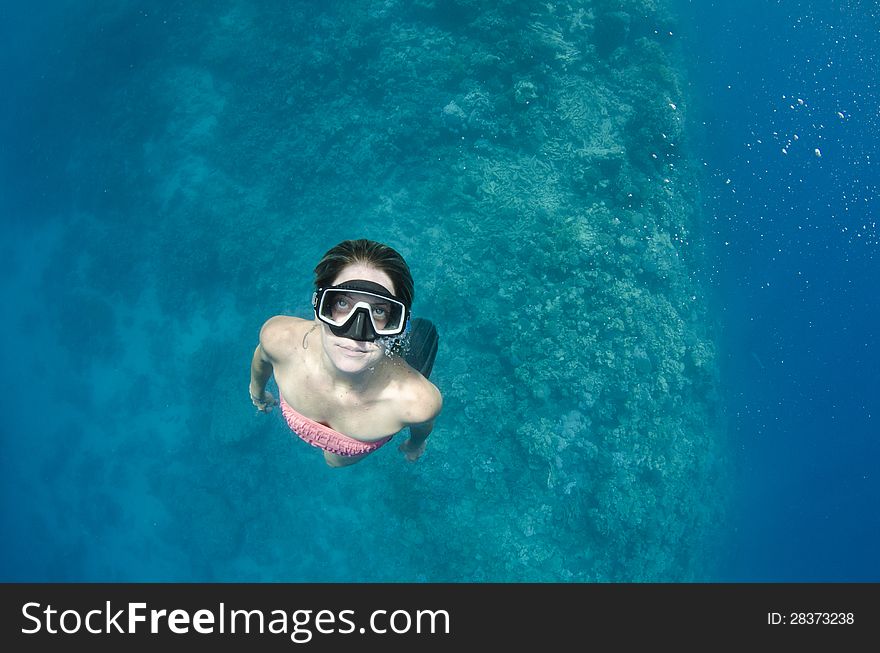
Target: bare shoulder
[[279, 335], [422, 399]]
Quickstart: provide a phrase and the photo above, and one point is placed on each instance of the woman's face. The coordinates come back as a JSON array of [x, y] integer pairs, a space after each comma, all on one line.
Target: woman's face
[[349, 355]]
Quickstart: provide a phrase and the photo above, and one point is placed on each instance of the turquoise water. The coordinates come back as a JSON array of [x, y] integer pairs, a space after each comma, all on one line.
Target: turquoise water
[[171, 176]]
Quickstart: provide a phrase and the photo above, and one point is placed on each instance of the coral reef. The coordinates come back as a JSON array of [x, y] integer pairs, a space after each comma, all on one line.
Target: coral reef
[[531, 162]]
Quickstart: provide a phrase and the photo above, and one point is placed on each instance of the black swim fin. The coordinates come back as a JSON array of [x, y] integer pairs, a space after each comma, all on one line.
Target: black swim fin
[[423, 343]]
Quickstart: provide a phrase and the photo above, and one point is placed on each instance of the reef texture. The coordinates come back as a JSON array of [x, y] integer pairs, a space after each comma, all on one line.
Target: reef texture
[[532, 163]]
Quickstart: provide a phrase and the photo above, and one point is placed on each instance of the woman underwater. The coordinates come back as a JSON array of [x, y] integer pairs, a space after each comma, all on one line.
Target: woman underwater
[[342, 387]]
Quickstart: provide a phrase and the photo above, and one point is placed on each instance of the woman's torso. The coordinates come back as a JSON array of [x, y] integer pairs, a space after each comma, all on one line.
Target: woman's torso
[[308, 387]]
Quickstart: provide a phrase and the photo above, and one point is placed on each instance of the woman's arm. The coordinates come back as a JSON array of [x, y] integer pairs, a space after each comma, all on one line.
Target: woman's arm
[[427, 408], [414, 446], [418, 433], [261, 372], [261, 367]]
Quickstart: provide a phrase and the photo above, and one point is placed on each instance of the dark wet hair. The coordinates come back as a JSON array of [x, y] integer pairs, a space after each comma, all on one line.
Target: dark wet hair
[[372, 253]]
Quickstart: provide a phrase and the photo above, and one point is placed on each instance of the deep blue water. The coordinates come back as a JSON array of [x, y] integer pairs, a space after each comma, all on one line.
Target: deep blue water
[[796, 244], [169, 178]]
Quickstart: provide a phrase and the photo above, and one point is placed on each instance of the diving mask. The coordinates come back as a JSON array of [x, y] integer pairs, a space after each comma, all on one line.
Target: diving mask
[[360, 310]]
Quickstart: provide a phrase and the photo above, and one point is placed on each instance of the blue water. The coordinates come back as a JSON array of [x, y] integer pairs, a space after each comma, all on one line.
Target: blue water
[[646, 232], [790, 102]]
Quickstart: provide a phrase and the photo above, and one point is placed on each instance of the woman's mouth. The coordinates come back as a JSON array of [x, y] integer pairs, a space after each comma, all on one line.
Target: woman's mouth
[[353, 351]]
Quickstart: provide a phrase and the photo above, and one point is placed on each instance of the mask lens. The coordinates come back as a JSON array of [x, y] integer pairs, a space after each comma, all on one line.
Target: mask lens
[[337, 307]]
